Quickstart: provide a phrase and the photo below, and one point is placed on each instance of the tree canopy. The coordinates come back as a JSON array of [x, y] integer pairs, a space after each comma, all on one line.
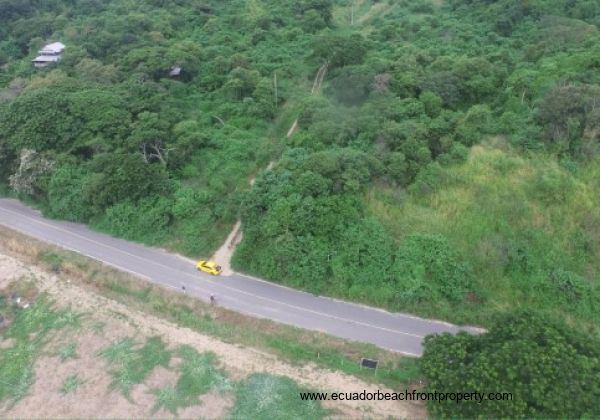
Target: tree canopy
[[550, 370]]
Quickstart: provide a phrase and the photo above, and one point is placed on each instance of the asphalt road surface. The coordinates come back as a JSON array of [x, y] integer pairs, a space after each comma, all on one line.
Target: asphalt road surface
[[397, 332]]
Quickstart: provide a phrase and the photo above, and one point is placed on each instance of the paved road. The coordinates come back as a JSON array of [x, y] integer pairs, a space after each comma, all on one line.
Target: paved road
[[248, 295]]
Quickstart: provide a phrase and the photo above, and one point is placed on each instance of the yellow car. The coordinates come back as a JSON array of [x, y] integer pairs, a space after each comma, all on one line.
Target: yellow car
[[209, 267]]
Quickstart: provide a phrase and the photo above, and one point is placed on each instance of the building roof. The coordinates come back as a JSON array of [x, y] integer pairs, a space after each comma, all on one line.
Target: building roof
[[46, 59], [175, 71], [54, 48]]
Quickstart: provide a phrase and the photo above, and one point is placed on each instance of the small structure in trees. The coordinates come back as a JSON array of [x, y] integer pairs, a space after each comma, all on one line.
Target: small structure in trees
[[50, 54], [175, 71]]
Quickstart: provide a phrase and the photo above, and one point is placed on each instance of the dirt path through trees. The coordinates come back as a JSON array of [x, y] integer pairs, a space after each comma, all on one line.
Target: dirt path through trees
[[223, 255]]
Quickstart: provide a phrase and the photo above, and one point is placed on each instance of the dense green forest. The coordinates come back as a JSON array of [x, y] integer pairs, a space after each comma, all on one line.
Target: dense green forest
[[449, 166]]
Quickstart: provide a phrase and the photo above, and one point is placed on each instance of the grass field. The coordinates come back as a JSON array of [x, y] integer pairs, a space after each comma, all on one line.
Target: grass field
[[130, 363], [27, 335], [528, 228]]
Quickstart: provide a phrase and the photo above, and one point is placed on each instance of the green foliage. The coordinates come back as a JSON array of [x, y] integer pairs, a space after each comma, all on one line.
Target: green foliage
[[70, 384], [305, 204], [39, 119], [198, 375], [427, 269], [363, 259], [146, 221], [66, 197], [52, 260], [264, 396], [29, 330], [351, 85], [339, 51], [112, 96], [124, 177], [519, 229], [571, 118], [310, 238], [67, 351], [529, 355], [167, 398], [118, 130], [133, 363]]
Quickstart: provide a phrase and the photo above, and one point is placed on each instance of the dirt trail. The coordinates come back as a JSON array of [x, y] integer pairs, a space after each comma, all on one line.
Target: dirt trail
[[225, 252], [292, 129], [316, 88], [223, 255], [318, 82]]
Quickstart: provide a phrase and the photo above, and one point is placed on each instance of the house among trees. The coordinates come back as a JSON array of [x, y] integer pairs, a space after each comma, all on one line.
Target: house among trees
[[50, 54], [175, 71]]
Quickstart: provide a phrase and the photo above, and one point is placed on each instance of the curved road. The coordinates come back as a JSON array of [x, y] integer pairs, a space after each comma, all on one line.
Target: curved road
[[397, 332]]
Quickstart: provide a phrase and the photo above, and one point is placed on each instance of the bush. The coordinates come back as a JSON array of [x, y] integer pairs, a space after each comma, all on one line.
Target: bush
[[145, 221], [65, 194], [124, 177], [570, 286], [427, 268], [430, 179]]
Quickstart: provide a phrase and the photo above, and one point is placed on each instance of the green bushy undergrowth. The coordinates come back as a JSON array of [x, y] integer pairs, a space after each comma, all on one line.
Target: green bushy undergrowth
[[526, 227]]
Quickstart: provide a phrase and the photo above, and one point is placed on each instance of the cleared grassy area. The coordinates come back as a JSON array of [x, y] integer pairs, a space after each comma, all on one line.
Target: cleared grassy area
[[264, 396], [528, 227], [28, 334], [290, 344], [132, 363], [198, 375]]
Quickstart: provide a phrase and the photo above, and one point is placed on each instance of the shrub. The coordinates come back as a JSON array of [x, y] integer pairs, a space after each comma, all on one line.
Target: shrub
[[426, 263]]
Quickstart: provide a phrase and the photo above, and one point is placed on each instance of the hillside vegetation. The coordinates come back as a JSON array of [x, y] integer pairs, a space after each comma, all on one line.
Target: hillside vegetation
[[526, 228], [384, 194]]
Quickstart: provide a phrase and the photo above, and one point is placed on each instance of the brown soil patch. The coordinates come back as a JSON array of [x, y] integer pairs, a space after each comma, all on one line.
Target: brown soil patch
[[223, 255], [4, 344]]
